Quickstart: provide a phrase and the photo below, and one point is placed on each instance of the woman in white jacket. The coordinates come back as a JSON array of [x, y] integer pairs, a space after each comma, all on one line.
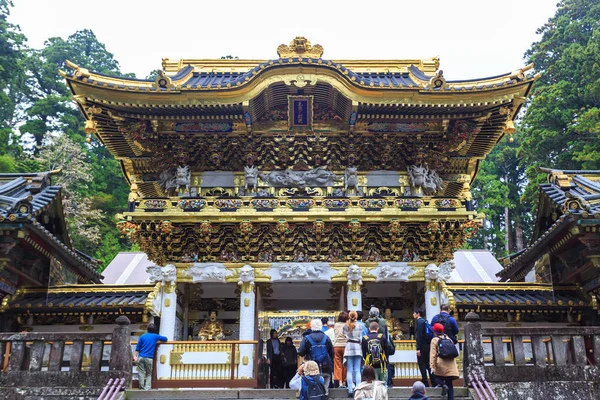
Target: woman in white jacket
[[369, 388]]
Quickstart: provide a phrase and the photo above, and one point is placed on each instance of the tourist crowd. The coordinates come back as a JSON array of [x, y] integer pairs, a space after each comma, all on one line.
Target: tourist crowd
[[354, 354]]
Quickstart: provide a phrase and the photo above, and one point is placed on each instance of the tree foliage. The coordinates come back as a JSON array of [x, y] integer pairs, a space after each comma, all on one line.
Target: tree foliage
[[561, 128], [42, 129]]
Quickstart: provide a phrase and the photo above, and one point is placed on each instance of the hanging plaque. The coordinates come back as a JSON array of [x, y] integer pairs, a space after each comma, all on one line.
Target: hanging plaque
[[300, 113]]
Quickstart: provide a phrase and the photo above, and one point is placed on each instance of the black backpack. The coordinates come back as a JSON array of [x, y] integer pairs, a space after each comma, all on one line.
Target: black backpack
[[444, 319], [446, 348], [314, 389], [376, 357]]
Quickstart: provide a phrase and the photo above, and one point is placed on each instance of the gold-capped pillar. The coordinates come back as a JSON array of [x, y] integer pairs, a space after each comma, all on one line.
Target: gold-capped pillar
[[354, 286], [432, 291], [168, 314], [247, 321]]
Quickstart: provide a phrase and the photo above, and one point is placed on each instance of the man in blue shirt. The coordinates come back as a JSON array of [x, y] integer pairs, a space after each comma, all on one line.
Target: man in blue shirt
[[144, 353], [448, 321]]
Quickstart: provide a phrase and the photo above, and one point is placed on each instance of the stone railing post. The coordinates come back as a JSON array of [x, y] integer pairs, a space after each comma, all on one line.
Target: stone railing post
[[473, 364], [120, 355]]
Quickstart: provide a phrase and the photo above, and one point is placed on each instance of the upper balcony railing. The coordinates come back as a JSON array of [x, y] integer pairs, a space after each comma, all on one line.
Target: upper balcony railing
[[390, 204]]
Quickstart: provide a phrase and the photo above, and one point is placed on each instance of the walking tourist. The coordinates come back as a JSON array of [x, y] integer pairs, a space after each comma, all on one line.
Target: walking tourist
[[374, 317], [290, 361], [418, 391], [144, 353], [339, 345], [360, 321], [353, 356], [374, 346], [442, 360], [274, 349], [423, 336], [317, 347], [325, 321], [370, 388], [309, 382], [330, 332], [448, 321]]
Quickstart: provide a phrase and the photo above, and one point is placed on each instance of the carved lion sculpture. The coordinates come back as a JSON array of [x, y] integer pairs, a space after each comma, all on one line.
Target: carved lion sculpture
[[354, 274], [431, 272], [246, 275]]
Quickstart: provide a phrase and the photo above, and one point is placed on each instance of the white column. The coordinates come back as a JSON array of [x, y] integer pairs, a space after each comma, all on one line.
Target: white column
[[354, 295], [168, 313], [432, 292], [247, 323]]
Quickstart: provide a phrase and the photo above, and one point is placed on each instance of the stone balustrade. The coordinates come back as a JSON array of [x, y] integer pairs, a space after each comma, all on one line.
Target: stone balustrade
[[539, 357], [29, 360]]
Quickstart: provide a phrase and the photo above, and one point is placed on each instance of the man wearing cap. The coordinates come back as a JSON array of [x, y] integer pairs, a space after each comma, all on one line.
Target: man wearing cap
[[374, 317], [418, 391]]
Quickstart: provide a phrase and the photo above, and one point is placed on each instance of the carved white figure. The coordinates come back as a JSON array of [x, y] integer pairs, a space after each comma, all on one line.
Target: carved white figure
[[207, 272], [387, 272], [354, 274], [300, 271], [178, 180], [445, 271], [416, 175], [250, 178], [168, 273], [351, 179], [320, 176], [246, 276], [431, 272], [289, 178], [421, 178]]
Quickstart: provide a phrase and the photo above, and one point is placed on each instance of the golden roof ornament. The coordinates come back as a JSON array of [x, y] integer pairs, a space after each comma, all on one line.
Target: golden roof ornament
[[300, 47]]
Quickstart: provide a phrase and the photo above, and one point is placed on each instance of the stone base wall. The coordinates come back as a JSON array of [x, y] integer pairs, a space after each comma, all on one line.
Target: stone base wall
[[56, 393], [547, 390]]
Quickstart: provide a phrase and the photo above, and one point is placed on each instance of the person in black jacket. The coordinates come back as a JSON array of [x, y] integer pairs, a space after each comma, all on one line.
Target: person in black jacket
[[274, 350], [290, 360], [418, 392], [306, 351], [423, 343]]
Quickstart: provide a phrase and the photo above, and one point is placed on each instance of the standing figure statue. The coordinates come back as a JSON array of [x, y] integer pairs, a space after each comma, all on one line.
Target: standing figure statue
[[250, 178], [351, 179]]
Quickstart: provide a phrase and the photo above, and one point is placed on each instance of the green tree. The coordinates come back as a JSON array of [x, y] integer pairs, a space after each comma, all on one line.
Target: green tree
[[561, 128], [12, 77]]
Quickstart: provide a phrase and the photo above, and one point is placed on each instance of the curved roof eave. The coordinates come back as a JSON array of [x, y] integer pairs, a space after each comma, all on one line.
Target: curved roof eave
[[361, 87]]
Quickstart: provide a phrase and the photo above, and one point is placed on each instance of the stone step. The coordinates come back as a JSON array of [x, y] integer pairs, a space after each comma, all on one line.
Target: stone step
[[396, 393], [50, 393]]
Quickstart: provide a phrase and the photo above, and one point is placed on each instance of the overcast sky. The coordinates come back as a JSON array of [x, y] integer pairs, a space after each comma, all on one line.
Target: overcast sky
[[473, 38]]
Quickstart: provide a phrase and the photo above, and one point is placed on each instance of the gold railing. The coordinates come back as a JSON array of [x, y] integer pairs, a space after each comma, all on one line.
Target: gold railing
[[208, 364], [410, 369]]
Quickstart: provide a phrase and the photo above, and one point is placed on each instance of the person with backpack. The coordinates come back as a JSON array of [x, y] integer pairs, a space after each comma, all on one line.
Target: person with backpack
[[442, 360], [309, 382], [290, 361], [448, 321], [370, 388], [423, 336], [353, 356], [318, 347], [374, 347]]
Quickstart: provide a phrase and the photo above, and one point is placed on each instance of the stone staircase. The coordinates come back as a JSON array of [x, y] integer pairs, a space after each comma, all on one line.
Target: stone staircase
[[397, 393]]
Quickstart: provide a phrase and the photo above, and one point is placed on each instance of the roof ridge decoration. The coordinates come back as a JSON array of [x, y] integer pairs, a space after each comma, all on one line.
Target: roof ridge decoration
[[300, 47]]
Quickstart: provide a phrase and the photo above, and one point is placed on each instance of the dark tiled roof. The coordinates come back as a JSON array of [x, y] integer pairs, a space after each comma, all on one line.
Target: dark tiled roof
[[517, 295], [24, 197], [79, 297], [573, 196], [224, 80]]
